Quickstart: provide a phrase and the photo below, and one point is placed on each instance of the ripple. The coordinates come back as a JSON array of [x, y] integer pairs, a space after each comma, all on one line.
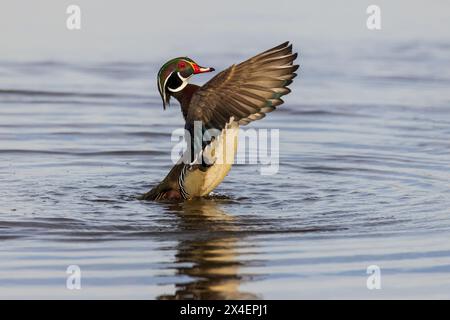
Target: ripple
[[363, 179], [84, 153]]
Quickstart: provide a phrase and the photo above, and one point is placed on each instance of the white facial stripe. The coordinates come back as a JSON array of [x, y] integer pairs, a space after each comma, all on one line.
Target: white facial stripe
[[183, 79], [167, 79], [183, 85], [159, 86], [164, 87]]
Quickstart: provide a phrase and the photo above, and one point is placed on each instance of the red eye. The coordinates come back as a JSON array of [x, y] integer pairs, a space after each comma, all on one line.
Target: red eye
[[181, 65]]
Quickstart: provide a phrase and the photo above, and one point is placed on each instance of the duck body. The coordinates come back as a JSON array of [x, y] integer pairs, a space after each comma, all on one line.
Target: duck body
[[198, 182], [186, 181], [236, 96]]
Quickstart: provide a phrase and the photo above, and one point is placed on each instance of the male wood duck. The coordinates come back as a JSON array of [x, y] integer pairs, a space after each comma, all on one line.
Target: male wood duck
[[236, 96]]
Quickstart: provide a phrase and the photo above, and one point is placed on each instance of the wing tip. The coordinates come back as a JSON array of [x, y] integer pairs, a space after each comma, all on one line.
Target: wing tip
[[278, 47], [284, 44]]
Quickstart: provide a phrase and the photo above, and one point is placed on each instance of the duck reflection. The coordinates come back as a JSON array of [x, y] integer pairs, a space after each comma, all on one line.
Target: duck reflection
[[209, 255]]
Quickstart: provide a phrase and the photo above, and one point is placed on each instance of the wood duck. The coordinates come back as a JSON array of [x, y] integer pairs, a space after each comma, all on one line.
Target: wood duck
[[240, 94]]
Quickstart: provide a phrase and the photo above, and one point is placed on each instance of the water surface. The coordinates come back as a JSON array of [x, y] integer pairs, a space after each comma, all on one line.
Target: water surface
[[364, 179]]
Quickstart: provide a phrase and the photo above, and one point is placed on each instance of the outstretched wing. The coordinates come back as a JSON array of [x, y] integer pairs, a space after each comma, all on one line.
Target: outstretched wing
[[246, 91]]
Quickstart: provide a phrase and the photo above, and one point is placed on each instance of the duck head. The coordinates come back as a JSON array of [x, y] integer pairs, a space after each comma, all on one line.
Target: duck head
[[174, 76]]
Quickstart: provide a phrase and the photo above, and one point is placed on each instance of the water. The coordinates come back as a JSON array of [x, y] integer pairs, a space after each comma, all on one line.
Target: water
[[364, 179]]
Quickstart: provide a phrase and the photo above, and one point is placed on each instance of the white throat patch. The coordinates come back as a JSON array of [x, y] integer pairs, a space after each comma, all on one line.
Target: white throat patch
[[183, 85]]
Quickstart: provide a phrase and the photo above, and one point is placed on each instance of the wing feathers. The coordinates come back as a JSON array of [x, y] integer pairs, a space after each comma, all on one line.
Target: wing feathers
[[246, 91]]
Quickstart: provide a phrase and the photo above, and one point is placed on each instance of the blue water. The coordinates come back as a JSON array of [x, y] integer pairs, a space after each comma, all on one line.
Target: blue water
[[364, 179]]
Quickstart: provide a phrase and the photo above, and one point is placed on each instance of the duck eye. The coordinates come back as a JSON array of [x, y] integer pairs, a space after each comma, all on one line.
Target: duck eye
[[181, 65]]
